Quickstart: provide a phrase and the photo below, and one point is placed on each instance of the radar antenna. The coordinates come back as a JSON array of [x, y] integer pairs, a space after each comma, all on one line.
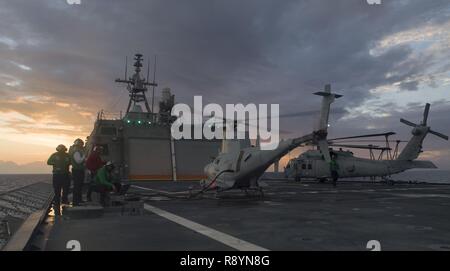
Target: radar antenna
[[137, 86]]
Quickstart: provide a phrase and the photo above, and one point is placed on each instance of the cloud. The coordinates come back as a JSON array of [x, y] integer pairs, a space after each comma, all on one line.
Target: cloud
[[256, 51], [8, 167], [409, 85]]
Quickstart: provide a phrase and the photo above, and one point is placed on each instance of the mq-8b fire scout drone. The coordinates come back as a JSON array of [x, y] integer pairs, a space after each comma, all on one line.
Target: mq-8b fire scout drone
[[240, 165]]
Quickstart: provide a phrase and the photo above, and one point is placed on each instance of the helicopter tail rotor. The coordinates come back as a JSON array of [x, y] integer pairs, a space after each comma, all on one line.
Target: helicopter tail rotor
[[420, 131], [423, 124]]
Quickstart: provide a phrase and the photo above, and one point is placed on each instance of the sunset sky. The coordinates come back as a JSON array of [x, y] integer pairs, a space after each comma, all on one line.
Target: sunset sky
[[58, 63]]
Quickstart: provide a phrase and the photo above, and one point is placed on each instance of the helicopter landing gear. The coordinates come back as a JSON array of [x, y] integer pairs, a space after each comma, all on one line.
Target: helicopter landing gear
[[389, 181]]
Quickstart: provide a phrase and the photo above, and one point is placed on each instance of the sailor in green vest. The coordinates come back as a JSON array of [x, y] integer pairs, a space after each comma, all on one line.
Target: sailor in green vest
[[60, 161], [104, 182], [334, 168], [77, 158]]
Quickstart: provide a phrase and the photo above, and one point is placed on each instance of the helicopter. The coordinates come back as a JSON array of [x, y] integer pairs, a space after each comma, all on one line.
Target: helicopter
[[240, 165], [314, 164]]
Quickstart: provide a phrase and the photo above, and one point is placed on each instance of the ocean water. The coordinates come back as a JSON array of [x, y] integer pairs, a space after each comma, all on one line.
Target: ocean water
[[11, 182]]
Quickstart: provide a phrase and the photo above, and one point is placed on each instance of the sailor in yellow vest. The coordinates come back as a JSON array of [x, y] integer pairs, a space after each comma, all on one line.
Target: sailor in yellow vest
[[60, 161]]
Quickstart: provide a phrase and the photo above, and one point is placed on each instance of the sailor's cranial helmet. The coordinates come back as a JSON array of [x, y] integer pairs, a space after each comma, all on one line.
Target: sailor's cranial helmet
[[61, 148], [79, 142], [110, 165]]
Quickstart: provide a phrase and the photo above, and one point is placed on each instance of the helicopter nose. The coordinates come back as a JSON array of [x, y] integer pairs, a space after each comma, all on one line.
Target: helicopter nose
[[210, 171]]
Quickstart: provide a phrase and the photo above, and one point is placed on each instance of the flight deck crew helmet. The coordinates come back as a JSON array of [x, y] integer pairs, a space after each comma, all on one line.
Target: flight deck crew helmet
[[78, 142], [61, 148], [109, 165]]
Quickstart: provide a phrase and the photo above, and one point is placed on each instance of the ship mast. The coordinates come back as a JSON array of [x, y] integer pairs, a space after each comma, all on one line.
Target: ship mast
[[136, 85]]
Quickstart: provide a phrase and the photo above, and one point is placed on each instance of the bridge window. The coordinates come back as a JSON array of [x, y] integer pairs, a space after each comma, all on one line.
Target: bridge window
[[105, 149], [110, 131]]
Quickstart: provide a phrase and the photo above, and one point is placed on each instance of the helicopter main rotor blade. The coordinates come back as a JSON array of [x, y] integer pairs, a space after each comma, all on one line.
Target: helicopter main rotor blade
[[362, 136], [366, 147], [368, 140]]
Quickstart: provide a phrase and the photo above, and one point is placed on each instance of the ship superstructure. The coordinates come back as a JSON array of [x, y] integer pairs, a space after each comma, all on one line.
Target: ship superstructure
[[139, 142]]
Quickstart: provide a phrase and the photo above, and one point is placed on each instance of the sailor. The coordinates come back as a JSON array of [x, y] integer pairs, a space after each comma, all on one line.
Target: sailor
[[60, 161], [103, 182], [77, 157], [334, 167], [93, 163]]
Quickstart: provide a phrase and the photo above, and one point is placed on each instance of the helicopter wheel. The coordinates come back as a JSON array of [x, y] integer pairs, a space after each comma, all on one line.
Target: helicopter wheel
[[216, 194]]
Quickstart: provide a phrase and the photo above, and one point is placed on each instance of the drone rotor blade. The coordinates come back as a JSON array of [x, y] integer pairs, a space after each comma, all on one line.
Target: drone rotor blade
[[408, 123], [445, 137], [324, 149], [425, 114], [309, 113], [224, 122]]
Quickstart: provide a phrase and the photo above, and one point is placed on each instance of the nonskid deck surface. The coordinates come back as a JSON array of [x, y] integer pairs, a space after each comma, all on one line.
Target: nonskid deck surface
[[290, 216], [18, 204]]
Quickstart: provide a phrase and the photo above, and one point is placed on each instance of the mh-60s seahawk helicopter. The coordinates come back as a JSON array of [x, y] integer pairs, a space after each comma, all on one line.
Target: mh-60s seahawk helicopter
[[314, 164], [240, 165]]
